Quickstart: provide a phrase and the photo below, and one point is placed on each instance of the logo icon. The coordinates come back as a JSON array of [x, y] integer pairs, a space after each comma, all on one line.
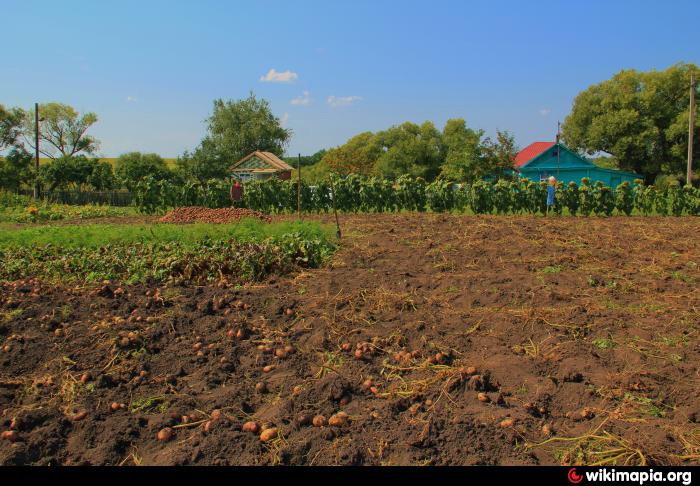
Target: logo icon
[[573, 477]]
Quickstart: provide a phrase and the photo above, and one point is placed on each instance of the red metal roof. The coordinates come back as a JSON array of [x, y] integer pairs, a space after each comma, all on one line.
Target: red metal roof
[[530, 152]]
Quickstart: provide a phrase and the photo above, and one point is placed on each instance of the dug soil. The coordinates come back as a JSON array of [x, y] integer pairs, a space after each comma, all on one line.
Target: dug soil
[[428, 339]]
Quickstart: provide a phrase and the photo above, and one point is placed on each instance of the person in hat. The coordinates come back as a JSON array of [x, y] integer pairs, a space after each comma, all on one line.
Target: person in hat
[[551, 191]]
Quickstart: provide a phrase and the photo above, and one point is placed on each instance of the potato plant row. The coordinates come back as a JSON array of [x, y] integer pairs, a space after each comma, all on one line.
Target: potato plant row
[[199, 261], [360, 194]]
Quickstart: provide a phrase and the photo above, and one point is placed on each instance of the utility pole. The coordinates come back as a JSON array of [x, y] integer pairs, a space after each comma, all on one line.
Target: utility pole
[[299, 186], [335, 209], [37, 189], [558, 148], [691, 129]]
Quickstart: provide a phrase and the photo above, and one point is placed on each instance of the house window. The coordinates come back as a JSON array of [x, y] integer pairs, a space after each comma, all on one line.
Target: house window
[[544, 175]]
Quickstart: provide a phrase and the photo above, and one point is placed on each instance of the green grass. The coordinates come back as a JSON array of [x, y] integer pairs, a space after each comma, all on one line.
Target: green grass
[[249, 250], [552, 269], [97, 235], [47, 212]]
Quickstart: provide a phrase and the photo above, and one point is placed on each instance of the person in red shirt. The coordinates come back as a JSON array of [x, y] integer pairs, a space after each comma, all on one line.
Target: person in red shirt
[[236, 192]]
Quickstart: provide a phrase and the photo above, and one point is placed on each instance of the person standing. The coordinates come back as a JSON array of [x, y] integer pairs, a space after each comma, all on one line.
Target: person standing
[[551, 191], [236, 193]]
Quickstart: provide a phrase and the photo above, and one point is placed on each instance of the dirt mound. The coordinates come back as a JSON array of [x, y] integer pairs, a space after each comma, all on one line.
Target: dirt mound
[[197, 214]]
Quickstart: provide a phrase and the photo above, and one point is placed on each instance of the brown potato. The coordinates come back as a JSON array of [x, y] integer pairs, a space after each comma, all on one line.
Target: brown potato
[[269, 434], [251, 427], [507, 422], [338, 420], [79, 416], [10, 435], [165, 434]]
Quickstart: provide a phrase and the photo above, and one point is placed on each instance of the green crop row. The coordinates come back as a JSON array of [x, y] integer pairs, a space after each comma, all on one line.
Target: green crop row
[[372, 194], [207, 256]]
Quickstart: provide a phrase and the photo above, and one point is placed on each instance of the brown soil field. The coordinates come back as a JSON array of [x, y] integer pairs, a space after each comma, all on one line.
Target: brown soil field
[[428, 339]]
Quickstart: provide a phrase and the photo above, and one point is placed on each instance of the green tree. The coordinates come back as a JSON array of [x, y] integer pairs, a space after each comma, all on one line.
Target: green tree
[[356, 156], [470, 157], [68, 172], [204, 163], [134, 166], [641, 118], [410, 149], [10, 126], [462, 152], [499, 155], [306, 160], [101, 176], [237, 128], [15, 169], [62, 131]]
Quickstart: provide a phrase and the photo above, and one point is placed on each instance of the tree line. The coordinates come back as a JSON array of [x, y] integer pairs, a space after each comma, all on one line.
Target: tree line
[[639, 120]]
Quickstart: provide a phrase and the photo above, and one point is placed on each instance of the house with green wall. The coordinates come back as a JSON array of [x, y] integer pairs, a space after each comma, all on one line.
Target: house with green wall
[[540, 160], [261, 165]]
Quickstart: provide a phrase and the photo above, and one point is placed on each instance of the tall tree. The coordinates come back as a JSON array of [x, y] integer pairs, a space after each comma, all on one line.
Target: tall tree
[[236, 128], [134, 166], [410, 149], [641, 118], [62, 131], [77, 172], [15, 169], [499, 155], [10, 126], [356, 156], [204, 163], [462, 149]]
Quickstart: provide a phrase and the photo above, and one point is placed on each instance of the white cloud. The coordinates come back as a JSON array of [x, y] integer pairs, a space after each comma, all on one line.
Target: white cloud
[[545, 111], [273, 76], [284, 119], [336, 101], [303, 100], [130, 99]]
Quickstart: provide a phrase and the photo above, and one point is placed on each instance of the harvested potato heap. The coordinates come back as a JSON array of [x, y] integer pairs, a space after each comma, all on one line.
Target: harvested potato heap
[[197, 214]]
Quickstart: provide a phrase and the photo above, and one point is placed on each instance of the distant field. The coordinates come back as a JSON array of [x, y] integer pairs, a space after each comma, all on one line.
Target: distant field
[[113, 160]]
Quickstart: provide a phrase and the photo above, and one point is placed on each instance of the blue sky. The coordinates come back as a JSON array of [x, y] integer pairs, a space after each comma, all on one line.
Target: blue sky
[[150, 69]]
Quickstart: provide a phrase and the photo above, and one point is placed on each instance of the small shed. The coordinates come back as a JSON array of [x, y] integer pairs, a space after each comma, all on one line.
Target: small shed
[[261, 165], [540, 160]]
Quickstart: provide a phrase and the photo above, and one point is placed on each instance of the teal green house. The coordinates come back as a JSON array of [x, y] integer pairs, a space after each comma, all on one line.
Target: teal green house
[[540, 160]]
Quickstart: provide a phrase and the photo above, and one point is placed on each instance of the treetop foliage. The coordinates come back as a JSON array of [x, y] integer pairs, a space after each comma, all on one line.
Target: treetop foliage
[[641, 118]]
